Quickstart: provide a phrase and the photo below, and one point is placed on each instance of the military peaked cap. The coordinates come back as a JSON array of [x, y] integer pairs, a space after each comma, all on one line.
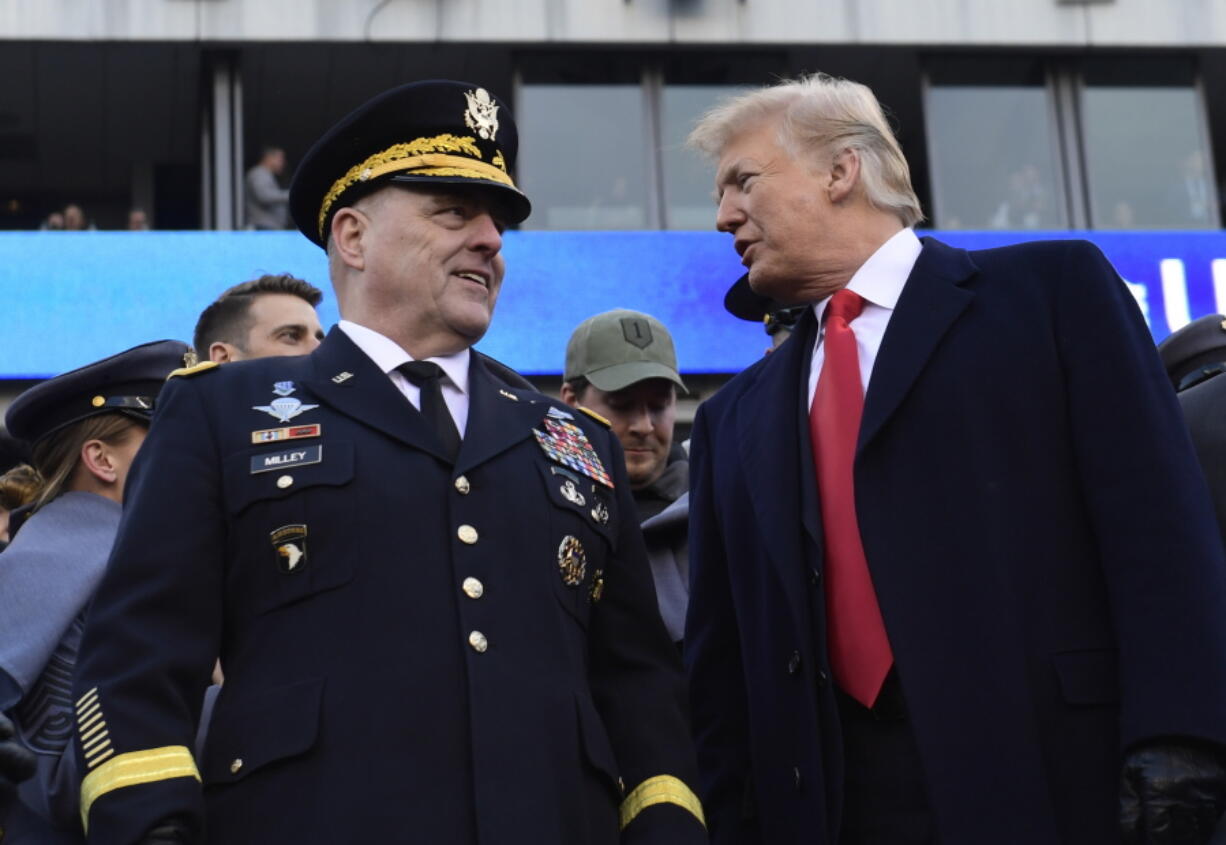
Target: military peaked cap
[[437, 131], [127, 383], [744, 302], [1195, 352]]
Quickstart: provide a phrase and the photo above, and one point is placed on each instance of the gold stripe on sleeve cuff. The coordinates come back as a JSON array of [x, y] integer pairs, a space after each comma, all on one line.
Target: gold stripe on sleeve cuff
[[661, 789], [133, 768]]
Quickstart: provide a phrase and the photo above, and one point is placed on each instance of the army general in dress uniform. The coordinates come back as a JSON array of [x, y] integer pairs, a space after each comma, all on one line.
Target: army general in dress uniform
[[427, 587]]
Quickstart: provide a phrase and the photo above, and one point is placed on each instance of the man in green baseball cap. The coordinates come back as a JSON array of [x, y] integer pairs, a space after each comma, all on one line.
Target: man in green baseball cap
[[622, 364]]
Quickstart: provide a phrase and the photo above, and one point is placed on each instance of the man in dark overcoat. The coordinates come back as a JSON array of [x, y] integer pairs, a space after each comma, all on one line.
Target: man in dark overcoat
[[954, 570], [427, 587]]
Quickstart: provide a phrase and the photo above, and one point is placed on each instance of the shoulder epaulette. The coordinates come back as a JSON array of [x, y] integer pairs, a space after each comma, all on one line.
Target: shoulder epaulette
[[191, 371], [597, 417]]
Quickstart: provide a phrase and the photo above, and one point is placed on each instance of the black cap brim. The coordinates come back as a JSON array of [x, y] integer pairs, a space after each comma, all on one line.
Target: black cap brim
[[741, 301], [512, 199], [126, 383]]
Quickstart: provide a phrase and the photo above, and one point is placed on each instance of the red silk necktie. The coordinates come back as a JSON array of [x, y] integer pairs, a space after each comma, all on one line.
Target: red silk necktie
[[859, 649]]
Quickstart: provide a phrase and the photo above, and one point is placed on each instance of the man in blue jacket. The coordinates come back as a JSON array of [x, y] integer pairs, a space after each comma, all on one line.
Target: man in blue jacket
[[954, 569], [424, 639]]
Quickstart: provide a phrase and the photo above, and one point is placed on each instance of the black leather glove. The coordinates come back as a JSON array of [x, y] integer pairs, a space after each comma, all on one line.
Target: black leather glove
[[170, 831], [17, 762], [1171, 793]]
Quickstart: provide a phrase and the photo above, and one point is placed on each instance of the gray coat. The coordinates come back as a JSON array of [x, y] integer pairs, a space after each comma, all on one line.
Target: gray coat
[[667, 537], [47, 576]]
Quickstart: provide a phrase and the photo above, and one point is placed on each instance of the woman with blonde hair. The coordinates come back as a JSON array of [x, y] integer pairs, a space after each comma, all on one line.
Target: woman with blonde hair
[[84, 428]]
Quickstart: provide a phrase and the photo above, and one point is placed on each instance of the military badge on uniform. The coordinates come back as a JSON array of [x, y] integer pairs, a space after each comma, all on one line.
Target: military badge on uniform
[[597, 585], [570, 486], [289, 543], [283, 388], [600, 512], [559, 414], [572, 561], [284, 408], [567, 444], [571, 494]]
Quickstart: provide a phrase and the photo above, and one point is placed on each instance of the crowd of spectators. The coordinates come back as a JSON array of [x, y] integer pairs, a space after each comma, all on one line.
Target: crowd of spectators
[[265, 202], [72, 218]]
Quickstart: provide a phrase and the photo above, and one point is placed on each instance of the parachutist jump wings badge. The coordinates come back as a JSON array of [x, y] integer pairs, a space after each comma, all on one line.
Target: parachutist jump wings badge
[[285, 408]]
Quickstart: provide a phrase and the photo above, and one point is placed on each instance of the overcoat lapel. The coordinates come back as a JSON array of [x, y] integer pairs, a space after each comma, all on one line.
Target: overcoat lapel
[[496, 419], [347, 380], [773, 463], [805, 336], [931, 301]]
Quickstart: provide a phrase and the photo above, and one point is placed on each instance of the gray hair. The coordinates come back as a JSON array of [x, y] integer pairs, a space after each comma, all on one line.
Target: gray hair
[[821, 115]]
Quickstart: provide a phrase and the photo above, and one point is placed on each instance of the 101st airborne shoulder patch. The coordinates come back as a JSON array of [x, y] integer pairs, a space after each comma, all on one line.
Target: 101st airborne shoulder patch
[[566, 444], [289, 544]]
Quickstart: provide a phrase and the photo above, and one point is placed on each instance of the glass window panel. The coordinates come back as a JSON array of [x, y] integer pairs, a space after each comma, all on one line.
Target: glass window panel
[[582, 158], [994, 163], [688, 177], [1146, 162]]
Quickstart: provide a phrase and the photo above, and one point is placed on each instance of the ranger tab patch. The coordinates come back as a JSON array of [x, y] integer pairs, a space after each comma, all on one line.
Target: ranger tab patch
[[566, 444]]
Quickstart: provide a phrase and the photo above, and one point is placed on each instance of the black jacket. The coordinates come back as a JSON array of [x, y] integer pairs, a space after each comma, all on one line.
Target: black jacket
[[413, 651]]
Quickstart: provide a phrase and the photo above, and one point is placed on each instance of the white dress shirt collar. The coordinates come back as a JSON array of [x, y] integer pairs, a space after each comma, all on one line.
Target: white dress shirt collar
[[388, 355], [880, 280]]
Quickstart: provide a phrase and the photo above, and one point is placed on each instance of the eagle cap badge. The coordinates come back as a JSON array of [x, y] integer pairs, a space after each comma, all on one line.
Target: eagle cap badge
[[481, 116]]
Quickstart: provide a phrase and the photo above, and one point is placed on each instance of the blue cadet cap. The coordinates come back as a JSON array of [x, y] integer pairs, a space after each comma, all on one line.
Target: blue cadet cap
[[1195, 352], [127, 383], [437, 131], [745, 303]]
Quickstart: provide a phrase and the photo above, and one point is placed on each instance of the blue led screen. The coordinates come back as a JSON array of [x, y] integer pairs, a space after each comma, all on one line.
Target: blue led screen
[[71, 298]]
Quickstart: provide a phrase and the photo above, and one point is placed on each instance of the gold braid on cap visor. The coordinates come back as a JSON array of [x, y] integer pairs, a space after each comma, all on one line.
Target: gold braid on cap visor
[[436, 156]]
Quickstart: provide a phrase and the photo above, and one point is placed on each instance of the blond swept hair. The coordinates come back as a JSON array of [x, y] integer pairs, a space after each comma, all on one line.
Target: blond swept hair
[[57, 456], [819, 116]]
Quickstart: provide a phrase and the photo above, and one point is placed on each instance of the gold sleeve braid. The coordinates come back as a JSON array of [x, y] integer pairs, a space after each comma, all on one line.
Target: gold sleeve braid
[[661, 789], [134, 768]]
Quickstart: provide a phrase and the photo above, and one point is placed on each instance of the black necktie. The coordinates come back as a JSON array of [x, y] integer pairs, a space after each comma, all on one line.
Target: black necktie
[[427, 375]]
